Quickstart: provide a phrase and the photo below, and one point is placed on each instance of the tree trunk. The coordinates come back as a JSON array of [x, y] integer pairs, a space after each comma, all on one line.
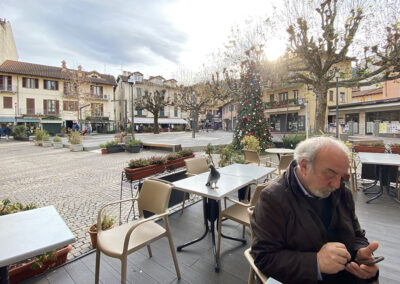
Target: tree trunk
[[320, 112], [196, 120], [155, 130]]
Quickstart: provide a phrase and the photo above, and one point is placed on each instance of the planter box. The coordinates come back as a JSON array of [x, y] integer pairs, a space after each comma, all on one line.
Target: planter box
[[138, 173], [178, 163], [24, 271], [47, 144], [103, 151], [395, 150], [76, 147], [369, 149], [115, 149], [133, 149], [57, 145]]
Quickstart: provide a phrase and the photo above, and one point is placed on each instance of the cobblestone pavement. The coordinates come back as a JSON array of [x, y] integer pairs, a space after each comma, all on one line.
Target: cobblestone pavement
[[76, 183]]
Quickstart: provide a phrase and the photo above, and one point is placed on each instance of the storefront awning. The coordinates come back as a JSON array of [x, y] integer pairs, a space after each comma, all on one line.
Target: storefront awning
[[367, 108], [27, 119], [150, 120], [7, 119], [51, 121]]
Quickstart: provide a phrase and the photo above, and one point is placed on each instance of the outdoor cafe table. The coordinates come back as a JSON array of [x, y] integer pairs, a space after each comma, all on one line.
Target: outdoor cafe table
[[30, 233], [233, 178], [384, 164], [279, 151]]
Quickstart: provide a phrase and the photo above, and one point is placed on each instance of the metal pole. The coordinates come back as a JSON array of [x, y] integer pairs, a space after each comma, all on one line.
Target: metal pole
[[133, 114], [337, 108], [194, 116], [306, 104]]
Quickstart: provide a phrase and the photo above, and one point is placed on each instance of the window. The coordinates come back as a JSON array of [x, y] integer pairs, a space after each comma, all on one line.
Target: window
[[175, 111], [282, 97], [138, 93], [50, 85], [7, 102], [331, 96], [342, 97], [96, 90], [271, 97], [70, 106], [97, 110], [30, 83], [296, 94], [68, 88], [232, 106], [30, 106], [162, 111], [369, 99], [158, 81], [5, 83], [51, 107], [137, 77]]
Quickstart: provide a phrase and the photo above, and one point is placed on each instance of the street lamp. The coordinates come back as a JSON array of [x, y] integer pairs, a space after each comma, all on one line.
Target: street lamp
[[337, 103], [131, 81], [194, 115]]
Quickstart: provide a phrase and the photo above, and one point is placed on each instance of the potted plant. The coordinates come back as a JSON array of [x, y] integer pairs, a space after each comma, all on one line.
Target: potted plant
[[177, 160], [75, 141], [133, 145], [38, 137], [114, 147], [57, 144], [370, 147], [103, 149], [141, 168], [107, 223], [34, 266], [46, 139], [395, 148], [20, 133]]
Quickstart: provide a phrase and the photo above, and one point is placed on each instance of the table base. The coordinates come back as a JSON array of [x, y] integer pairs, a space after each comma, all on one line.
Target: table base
[[4, 279]]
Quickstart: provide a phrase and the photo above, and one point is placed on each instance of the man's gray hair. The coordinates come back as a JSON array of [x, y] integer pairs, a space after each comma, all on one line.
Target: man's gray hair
[[309, 148]]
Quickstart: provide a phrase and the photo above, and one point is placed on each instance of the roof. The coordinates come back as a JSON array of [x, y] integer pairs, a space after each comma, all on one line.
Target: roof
[[30, 69], [367, 92]]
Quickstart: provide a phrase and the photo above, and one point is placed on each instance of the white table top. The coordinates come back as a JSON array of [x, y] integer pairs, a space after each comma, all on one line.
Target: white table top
[[30, 233], [226, 184], [252, 171], [279, 151], [379, 159]]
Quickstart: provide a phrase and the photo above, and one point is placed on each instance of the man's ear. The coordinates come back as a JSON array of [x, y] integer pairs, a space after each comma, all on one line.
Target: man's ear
[[303, 166]]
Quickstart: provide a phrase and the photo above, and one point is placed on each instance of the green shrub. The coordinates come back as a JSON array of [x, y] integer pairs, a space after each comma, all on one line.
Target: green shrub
[[102, 146], [133, 142], [173, 156], [228, 155], [186, 152], [291, 141], [7, 207], [107, 222], [46, 136], [56, 139], [138, 163], [394, 145], [111, 143], [75, 138], [19, 132], [38, 134], [250, 143], [156, 160]]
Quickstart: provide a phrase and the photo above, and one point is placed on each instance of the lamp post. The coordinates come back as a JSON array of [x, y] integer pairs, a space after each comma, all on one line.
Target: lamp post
[[194, 114], [131, 82], [337, 103]]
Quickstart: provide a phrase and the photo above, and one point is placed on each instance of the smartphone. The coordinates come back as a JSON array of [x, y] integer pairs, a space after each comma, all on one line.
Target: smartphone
[[376, 259]]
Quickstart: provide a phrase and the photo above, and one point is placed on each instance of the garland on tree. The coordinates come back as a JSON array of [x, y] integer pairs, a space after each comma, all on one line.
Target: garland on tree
[[250, 111]]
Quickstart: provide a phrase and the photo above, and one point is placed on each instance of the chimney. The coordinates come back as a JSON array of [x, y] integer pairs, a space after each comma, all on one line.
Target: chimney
[[63, 65], [79, 70]]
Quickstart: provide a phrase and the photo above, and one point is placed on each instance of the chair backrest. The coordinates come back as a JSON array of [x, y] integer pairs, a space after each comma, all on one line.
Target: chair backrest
[[251, 156], [196, 165], [154, 196], [256, 193], [285, 161]]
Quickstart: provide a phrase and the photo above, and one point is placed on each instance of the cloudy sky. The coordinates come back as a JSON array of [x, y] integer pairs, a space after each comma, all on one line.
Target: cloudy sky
[[154, 37]]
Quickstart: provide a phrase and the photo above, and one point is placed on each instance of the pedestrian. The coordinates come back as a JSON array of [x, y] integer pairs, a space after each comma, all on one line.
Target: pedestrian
[[1, 131], [304, 224], [89, 128], [7, 132]]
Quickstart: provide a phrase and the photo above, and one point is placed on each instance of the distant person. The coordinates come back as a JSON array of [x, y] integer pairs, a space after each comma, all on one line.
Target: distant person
[[89, 128], [7, 132], [75, 126], [1, 131]]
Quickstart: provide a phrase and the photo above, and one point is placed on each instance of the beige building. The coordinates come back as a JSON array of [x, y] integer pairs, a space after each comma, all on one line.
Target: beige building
[[169, 117], [46, 96], [8, 50]]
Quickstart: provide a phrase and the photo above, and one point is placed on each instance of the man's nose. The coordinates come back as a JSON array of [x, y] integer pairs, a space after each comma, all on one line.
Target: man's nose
[[335, 182]]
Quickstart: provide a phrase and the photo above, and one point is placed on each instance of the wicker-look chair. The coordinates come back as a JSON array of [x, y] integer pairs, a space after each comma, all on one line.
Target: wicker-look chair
[[251, 157], [194, 166], [284, 162], [120, 241]]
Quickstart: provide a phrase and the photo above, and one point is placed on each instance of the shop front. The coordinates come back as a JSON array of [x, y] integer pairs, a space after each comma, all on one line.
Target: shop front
[[288, 122]]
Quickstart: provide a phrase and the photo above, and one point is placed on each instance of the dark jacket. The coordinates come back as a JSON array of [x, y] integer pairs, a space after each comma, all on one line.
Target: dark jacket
[[288, 233]]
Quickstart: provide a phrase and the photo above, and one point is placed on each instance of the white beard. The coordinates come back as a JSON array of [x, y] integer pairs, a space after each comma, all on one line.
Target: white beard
[[323, 192]]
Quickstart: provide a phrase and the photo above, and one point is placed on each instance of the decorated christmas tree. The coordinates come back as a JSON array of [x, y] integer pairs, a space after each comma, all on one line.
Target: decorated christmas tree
[[250, 111]]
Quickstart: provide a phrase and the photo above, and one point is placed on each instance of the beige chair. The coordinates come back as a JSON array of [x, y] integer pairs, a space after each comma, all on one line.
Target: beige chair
[[284, 162], [254, 271], [238, 213], [251, 157], [122, 240], [397, 183], [194, 166], [353, 176]]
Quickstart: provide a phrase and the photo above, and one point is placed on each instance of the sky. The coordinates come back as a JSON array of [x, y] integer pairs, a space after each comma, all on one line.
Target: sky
[[154, 37]]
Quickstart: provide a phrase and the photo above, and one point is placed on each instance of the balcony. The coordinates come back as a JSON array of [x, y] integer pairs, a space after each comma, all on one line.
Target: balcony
[[102, 97], [69, 94], [51, 112], [7, 89]]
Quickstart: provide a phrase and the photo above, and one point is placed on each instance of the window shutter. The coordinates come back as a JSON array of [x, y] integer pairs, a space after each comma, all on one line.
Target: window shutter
[[9, 83], [37, 83], [24, 82], [75, 106], [45, 106], [45, 84], [91, 90], [7, 102], [101, 91], [56, 85], [57, 107], [65, 106], [65, 88], [1, 82], [101, 109]]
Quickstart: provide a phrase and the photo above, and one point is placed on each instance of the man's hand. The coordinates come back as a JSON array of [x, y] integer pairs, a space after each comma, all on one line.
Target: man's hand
[[332, 258], [364, 271]]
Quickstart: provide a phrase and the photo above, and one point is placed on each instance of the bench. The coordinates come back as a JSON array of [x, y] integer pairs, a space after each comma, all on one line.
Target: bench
[[164, 147]]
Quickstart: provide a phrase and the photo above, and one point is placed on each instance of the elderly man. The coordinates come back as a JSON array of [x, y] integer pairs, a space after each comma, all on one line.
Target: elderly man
[[304, 223]]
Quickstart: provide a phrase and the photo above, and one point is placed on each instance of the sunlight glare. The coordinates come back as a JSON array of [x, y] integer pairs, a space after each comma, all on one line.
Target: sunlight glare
[[274, 49]]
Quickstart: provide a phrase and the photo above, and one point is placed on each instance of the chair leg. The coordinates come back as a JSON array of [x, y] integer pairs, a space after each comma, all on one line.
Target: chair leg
[[149, 250], [97, 271], [172, 247], [124, 262], [183, 202], [243, 231], [219, 229], [251, 276]]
